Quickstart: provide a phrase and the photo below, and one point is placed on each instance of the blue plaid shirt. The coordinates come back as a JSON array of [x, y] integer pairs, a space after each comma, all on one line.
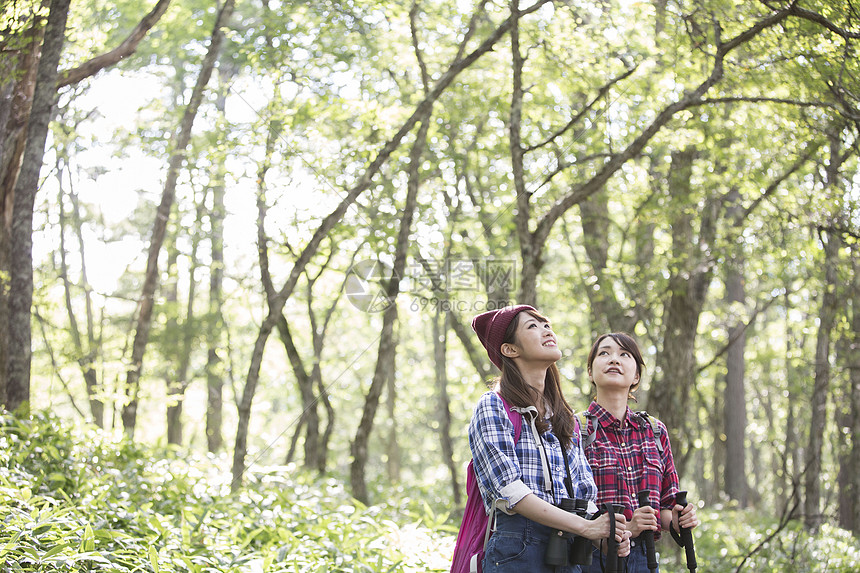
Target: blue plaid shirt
[[509, 472]]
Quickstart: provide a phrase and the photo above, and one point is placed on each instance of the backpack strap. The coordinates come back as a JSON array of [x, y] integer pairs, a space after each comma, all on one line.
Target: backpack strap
[[517, 420], [568, 479], [587, 437], [655, 427]]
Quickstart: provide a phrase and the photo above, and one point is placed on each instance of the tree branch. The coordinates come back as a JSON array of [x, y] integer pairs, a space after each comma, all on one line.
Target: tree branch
[[574, 120], [753, 99], [737, 334], [775, 184], [689, 99], [125, 49], [787, 514], [805, 14]]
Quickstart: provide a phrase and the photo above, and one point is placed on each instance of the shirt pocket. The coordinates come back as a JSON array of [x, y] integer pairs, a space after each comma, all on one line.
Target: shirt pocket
[[604, 466], [652, 478]]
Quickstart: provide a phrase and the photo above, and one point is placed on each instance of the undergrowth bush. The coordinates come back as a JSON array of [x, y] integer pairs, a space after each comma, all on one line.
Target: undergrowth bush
[[72, 500]]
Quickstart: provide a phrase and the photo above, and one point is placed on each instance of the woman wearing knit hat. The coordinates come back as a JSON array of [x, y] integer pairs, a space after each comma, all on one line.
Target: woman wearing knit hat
[[614, 434], [525, 479]]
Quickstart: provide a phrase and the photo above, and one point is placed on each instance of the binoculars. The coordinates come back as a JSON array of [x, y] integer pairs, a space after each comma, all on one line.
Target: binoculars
[[566, 548]]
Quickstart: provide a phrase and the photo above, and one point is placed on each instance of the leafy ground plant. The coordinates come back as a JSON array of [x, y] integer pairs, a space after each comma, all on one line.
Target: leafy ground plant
[[74, 500], [71, 500]]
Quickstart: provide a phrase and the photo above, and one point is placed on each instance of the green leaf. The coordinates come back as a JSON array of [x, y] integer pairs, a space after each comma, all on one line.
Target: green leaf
[[92, 557], [54, 550], [11, 545], [88, 542], [153, 559]]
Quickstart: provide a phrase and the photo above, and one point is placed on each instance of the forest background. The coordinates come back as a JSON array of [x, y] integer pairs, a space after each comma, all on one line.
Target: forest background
[[242, 244]]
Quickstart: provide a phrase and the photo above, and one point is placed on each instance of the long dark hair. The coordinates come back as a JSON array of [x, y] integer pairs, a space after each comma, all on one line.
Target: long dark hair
[[626, 342], [517, 392]]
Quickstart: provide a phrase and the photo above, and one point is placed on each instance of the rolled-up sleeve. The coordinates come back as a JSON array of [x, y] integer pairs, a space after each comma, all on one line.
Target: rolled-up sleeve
[[669, 487], [491, 439]]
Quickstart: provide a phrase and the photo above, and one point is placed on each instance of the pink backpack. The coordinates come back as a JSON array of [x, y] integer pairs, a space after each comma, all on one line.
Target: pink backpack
[[477, 525]]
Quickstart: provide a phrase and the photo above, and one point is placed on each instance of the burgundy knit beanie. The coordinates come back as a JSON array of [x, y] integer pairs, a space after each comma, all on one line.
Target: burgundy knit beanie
[[491, 327]]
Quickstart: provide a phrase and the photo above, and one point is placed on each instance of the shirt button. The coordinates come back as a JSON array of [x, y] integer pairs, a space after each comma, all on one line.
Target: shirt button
[[629, 469], [623, 444]]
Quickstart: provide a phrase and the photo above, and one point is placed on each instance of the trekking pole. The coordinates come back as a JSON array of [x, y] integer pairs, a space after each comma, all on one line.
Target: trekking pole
[[648, 536], [611, 544], [686, 535], [614, 563], [622, 561]]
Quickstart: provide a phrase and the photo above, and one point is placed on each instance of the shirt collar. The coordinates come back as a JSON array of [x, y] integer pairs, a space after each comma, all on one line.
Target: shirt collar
[[607, 420]]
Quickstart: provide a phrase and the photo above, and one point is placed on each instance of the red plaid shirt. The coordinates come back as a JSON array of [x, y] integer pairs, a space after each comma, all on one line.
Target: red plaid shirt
[[625, 460]]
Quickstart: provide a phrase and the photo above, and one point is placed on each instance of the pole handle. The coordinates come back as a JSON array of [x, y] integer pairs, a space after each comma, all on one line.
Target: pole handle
[[611, 544], [648, 536], [686, 535]]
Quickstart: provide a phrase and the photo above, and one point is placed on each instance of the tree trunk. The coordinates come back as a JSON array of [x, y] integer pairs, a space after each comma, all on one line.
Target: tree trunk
[[322, 459], [318, 332], [477, 355], [214, 400], [832, 243], [21, 251], [94, 385], [531, 247], [440, 362], [442, 319], [309, 419], [17, 81], [85, 355], [170, 340], [178, 383], [392, 445], [385, 356], [734, 401], [310, 415], [818, 423], [768, 478], [214, 374], [849, 505], [793, 463], [669, 397], [718, 450], [384, 366], [274, 304], [150, 284], [171, 344], [291, 452], [594, 217], [660, 20], [607, 315], [174, 414]]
